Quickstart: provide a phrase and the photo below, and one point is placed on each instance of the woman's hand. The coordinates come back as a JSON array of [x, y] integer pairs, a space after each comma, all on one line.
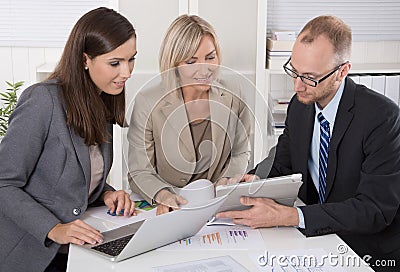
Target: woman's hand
[[167, 201], [118, 201], [76, 232]]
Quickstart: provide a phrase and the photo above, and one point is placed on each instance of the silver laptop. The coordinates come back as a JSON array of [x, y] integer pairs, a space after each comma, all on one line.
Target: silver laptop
[[283, 189], [136, 238]]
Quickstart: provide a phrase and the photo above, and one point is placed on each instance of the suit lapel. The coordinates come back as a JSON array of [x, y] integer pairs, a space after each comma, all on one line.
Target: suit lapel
[[176, 117], [82, 152], [342, 122], [220, 110]]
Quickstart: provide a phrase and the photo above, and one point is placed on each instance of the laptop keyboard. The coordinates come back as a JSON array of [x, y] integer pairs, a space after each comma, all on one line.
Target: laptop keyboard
[[114, 248]]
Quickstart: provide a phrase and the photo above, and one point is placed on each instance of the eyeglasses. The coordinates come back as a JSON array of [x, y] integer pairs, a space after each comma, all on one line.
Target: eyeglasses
[[309, 81]]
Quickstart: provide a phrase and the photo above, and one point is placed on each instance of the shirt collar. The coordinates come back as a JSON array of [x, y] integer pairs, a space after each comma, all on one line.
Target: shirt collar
[[329, 112]]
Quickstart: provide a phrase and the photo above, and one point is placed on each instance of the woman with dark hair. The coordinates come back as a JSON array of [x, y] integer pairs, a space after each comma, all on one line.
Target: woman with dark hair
[[57, 152]]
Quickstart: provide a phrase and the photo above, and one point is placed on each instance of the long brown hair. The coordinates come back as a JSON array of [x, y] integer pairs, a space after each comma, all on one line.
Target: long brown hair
[[96, 33]]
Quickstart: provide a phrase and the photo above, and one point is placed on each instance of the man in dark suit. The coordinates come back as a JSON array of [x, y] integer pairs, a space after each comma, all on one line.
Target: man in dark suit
[[345, 140]]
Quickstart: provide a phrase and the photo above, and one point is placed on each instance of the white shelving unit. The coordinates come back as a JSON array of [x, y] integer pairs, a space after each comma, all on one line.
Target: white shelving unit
[[375, 68], [44, 70]]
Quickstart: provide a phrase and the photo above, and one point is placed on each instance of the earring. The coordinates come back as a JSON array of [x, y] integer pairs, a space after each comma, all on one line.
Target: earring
[[86, 68]]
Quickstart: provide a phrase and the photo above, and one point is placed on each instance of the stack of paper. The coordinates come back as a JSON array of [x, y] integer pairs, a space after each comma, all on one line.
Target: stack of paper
[[278, 52], [284, 35]]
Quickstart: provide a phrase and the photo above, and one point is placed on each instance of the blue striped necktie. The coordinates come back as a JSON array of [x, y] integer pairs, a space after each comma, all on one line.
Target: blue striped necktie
[[323, 155]]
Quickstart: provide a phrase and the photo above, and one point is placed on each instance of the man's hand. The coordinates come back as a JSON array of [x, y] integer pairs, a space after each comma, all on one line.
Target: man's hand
[[167, 200], [76, 232], [118, 200], [264, 212], [236, 179]]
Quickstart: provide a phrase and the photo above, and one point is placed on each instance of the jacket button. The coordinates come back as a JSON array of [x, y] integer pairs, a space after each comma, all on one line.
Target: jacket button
[[76, 211]]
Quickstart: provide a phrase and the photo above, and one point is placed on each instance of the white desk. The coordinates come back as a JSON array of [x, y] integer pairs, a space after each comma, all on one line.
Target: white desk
[[274, 238]]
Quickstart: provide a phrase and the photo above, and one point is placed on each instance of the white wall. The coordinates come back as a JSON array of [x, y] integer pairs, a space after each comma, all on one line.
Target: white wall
[[20, 63]]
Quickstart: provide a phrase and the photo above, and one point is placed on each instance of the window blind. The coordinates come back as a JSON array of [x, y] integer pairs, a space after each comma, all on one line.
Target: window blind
[[370, 20], [41, 23]]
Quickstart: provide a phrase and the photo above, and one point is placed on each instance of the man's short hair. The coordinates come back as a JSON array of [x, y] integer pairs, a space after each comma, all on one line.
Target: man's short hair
[[338, 33]]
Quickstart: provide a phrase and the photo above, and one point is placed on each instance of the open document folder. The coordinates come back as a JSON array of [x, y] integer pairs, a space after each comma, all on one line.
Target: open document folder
[[282, 189]]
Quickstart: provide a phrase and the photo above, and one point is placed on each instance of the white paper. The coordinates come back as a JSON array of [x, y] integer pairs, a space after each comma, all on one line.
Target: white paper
[[217, 264], [221, 221], [197, 192], [220, 237], [101, 213]]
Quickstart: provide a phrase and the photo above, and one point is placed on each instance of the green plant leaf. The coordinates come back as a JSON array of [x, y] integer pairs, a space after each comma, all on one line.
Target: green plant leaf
[[9, 99]]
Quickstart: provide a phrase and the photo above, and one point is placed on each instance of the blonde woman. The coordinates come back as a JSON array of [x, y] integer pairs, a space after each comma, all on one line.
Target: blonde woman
[[191, 126]]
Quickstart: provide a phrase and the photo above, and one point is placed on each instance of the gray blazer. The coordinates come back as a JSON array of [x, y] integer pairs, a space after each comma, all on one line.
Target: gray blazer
[[44, 178]]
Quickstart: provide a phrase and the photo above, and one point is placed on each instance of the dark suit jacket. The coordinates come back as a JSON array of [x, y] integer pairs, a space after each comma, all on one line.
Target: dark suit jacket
[[363, 176], [44, 178]]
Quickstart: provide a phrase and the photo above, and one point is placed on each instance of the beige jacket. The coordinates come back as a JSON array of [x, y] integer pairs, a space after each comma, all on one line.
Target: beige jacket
[[161, 151]]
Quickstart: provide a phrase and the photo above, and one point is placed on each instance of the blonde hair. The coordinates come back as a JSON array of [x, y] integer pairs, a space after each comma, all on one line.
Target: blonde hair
[[181, 43], [338, 33]]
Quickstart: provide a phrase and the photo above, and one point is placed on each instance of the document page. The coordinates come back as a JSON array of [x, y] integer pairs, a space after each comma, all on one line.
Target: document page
[[220, 237], [143, 212]]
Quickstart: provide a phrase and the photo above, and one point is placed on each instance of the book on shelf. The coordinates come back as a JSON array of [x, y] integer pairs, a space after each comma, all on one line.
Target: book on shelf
[[283, 100], [273, 54], [392, 87], [366, 80], [276, 63], [277, 45], [386, 84], [378, 83], [355, 78], [278, 131], [279, 108], [278, 123], [284, 35]]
